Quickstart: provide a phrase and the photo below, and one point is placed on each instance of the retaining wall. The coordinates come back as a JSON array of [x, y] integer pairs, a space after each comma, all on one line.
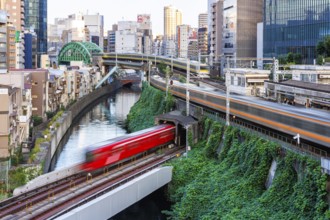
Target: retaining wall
[[72, 114]]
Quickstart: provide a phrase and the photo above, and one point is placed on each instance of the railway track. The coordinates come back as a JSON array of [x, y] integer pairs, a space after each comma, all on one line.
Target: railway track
[[66, 194]]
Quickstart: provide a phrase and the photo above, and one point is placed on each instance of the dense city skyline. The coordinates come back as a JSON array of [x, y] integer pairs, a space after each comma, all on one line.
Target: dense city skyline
[[155, 8]]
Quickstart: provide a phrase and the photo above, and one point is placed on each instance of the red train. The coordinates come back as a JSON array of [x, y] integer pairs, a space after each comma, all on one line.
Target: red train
[[111, 151]]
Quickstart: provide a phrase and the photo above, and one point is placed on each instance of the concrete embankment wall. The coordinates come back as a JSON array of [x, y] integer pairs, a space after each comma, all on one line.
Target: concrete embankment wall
[[69, 116]]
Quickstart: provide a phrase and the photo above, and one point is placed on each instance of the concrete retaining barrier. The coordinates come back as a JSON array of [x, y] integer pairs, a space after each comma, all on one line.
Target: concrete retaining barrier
[[72, 114]]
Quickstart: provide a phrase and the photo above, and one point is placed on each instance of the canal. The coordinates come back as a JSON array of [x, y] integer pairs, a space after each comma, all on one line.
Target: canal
[[104, 121]]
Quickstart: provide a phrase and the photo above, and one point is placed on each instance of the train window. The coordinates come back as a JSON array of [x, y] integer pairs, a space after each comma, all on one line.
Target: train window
[[89, 156]]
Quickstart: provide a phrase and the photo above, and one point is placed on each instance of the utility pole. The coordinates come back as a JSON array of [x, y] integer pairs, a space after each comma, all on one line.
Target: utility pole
[[187, 84], [149, 63], [227, 93], [187, 101], [172, 63], [167, 72]]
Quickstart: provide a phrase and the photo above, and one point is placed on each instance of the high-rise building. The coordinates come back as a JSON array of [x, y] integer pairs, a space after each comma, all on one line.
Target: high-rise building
[[11, 47], [111, 41], [193, 49], [240, 27], [36, 19], [295, 26], [182, 39], [157, 45], [95, 24], [210, 20], [172, 18], [145, 27], [216, 33], [202, 20], [203, 41], [3, 41], [16, 13], [30, 50]]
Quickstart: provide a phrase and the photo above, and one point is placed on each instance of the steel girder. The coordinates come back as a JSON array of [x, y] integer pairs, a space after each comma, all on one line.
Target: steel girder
[[78, 51]]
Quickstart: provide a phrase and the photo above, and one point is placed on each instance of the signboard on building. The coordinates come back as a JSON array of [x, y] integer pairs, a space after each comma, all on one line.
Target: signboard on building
[[17, 36], [3, 91], [143, 18], [3, 16]]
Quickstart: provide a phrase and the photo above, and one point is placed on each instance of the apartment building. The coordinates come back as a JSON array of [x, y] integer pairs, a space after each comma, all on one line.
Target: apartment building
[[3, 41], [9, 129], [21, 82], [182, 40], [39, 89], [11, 47]]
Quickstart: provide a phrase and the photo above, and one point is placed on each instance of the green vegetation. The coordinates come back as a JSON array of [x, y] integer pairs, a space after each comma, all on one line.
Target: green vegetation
[[225, 174], [37, 120], [290, 59], [323, 47], [17, 157], [151, 103], [18, 177], [231, 184], [323, 51], [50, 114]]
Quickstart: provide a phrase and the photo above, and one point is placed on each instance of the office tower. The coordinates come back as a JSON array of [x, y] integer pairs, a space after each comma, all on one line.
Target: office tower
[[95, 25], [202, 20], [172, 18], [209, 21], [182, 40], [240, 27], [203, 41], [216, 32], [30, 50], [295, 26], [145, 27], [16, 13], [36, 19], [3, 41], [111, 41]]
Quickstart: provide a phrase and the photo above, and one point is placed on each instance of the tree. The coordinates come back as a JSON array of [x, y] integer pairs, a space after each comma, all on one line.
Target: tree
[[297, 58], [290, 58], [323, 47]]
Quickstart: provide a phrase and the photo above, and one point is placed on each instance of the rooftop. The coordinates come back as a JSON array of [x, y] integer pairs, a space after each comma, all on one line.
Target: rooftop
[[306, 85], [309, 67]]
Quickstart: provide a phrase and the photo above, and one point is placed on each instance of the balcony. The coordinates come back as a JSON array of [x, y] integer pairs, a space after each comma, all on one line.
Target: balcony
[[23, 119]]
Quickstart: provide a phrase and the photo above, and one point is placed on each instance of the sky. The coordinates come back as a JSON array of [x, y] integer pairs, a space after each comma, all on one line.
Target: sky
[[114, 11]]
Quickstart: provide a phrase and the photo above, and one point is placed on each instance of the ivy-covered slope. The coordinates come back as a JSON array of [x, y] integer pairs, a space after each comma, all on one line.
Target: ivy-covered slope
[[152, 102], [231, 184]]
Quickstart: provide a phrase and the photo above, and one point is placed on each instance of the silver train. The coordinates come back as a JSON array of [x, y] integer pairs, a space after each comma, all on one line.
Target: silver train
[[311, 125]]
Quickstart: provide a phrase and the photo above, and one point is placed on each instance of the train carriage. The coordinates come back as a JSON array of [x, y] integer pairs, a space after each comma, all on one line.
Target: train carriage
[[114, 150], [313, 129]]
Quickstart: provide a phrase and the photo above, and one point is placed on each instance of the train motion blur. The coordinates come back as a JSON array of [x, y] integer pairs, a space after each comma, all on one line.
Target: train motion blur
[[117, 149], [313, 129]]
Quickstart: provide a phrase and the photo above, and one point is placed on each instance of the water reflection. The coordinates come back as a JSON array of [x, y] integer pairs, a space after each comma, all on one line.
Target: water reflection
[[103, 121]]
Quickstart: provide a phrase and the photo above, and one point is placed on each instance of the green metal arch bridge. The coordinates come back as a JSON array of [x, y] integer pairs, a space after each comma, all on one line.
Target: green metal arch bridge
[[78, 51]]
